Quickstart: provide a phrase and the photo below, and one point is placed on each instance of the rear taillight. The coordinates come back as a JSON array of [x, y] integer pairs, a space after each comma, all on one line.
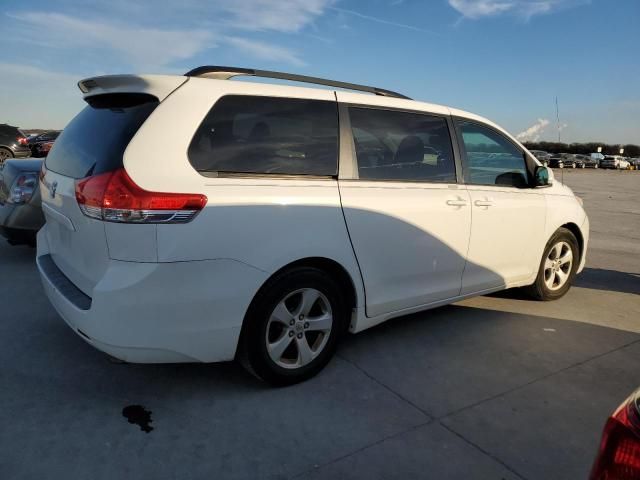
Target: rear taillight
[[22, 189], [114, 197], [619, 454], [22, 140]]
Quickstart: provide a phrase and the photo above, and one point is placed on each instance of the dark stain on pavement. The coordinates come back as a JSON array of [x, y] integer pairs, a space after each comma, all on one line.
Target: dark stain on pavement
[[138, 415]]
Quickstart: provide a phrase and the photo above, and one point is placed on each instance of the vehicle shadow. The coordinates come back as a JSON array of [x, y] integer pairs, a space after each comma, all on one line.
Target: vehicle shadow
[[594, 278], [609, 280]]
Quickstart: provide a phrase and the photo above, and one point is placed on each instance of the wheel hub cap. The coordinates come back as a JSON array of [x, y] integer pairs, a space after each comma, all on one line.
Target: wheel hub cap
[[299, 328], [558, 265]]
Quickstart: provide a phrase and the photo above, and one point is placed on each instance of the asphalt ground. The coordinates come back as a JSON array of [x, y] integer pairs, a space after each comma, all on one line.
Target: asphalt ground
[[495, 387]]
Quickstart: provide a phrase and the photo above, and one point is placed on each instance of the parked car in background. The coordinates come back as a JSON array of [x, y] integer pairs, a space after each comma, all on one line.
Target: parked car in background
[[616, 162], [542, 156], [41, 149], [636, 163], [20, 209], [576, 160], [12, 143], [618, 457], [585, 161], [267, 220], [44, 138], [631, 165], [561, 160], [589, 161]]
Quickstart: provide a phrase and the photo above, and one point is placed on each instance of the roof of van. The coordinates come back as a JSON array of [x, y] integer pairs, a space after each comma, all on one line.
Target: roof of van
[[161, 86]]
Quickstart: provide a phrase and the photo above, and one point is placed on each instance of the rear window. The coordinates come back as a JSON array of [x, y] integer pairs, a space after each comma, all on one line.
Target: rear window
[[265, 135], [95, 140]]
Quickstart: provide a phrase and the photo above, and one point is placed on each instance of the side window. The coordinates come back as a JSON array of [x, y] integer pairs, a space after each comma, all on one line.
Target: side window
[[251, 134], [406, 146], [492, 159]]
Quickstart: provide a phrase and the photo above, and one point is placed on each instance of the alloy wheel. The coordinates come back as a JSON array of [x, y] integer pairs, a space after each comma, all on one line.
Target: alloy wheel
[[3, 156], [557, 266], [299, 328]]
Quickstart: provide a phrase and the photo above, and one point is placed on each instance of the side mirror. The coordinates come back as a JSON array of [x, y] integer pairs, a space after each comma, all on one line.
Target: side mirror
[[541, 176]]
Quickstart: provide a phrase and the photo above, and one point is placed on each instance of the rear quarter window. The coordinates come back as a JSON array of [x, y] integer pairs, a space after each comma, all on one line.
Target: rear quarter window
[[267, 135], [95, 140]]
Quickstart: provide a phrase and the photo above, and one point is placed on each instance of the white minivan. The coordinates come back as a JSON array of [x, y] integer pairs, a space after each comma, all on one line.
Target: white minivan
[[198, 218]]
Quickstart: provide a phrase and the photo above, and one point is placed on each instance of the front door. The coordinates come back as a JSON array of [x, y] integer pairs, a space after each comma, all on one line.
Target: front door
[[508, 217]]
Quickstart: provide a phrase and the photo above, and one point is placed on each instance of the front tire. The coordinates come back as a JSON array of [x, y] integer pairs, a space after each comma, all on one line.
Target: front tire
[[557, 268], [293, 326]]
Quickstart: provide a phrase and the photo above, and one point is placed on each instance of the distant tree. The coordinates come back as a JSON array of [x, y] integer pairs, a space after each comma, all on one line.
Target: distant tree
[[630, 150]]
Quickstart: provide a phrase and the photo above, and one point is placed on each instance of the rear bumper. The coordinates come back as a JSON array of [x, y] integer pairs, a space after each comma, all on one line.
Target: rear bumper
[[22, 217], [158, 312], [22, 152]]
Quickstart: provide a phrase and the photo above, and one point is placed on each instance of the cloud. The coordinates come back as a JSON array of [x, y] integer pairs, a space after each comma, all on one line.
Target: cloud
[[480, 8], [264, 51], [279, 15], [379, 20], [31, 73], [533, 133], [142, 47], [117, 38], [475, 9], [56, 95]]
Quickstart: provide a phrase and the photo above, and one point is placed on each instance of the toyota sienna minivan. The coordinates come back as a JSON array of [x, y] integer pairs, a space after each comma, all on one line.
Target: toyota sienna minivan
[[199, 218]]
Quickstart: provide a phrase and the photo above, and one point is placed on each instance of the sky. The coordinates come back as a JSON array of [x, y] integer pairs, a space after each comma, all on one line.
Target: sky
[[507, 60]]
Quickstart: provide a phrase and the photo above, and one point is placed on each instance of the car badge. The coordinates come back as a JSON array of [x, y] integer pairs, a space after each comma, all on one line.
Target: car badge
[[52, 189]]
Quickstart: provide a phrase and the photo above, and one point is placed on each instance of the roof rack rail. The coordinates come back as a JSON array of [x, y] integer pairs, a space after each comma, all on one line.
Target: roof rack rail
[[225, 73]]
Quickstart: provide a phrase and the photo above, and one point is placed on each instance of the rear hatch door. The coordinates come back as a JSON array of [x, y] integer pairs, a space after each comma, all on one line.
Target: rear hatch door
[[94, 142]]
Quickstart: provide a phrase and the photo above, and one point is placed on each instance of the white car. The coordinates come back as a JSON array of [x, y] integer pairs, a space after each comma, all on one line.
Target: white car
[[616, 162], [200, 219]]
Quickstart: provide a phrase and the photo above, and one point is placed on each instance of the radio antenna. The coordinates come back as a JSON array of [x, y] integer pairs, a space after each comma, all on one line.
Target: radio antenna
[[558, 119]]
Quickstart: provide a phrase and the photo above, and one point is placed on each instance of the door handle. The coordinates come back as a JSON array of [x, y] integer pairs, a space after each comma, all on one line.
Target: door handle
[[457, 202], [483, 203]]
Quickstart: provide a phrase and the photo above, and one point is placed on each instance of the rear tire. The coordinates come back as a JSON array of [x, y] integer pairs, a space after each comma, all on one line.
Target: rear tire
[[5, 154], [293, 326], [557, 268]]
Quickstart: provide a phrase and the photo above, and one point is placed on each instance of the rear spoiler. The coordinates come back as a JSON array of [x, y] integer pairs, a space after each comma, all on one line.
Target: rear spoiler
[[160, 86]]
